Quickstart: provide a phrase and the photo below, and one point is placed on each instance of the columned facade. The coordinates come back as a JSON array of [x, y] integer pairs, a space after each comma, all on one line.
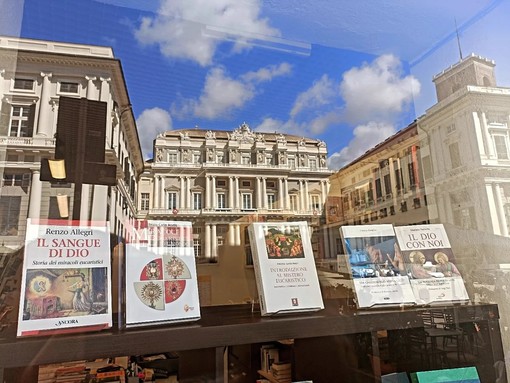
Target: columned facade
[[227, 179]]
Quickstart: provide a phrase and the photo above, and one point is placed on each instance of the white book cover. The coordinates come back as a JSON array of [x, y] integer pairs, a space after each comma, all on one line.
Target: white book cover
[[161, 276], [284, 265], [66, 281], [376, 267], [430, 264]]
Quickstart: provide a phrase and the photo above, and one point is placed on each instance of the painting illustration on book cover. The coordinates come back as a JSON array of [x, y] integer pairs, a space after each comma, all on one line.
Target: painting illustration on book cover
[[55, 293], [162, 281], [283, 242]]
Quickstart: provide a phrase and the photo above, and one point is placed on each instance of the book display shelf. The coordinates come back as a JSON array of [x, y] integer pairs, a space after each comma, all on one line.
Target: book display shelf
[[333, 342]]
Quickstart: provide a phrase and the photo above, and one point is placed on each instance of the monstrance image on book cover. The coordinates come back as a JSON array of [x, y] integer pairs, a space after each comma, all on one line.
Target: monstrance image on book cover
[[284, 267], [430, 264], [66, 278], [376, 265], [161, 281]]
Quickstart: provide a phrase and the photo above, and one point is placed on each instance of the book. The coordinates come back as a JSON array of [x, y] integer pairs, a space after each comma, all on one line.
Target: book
[[284, 266], [430, 264], [66, 281], [269, 354], [450, 375], [375, 265], [161, 277]]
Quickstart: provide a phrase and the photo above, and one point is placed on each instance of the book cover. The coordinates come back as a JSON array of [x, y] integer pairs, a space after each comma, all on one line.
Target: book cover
[[376, 267], [161, 277], [284, 265], [66, 282], [450, 375], [430, 264]]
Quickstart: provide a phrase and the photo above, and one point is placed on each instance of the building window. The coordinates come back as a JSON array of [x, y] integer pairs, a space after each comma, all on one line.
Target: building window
[[246, 201], [197, 247], [197, 201], [23, 84], [16, 179], [246, 184], [221, 201], [387, 184], [293, 202], [292, 162], [221, 183], [9, 215], [313, 163], [398, 176], [172, 200], [271, 201], [69, 87], [21, 124], [412, 180], [197, 158], [145, 199], [378, 188], [316, 202], [454, 155], [501, 147], [172, 158]]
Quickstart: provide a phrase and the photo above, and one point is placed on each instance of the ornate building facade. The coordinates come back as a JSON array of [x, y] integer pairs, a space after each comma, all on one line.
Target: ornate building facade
[[223, 180], [34, 75], [466, 148]]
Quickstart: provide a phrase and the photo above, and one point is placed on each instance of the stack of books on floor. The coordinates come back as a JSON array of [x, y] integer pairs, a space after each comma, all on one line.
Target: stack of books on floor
[[73, 372], [281, 372], [98, 371]]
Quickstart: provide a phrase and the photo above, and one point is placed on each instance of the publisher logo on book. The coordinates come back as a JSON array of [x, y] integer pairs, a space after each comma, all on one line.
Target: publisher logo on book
[[295, 302], [188, 308]]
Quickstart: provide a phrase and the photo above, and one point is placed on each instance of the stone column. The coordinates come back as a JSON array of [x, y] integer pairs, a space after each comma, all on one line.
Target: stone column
[[188, 193], [207, 193], [214, 242], [237, 196], [155, 200], [207, 241], [286, 197], [163, 194], [231, 194], [231, 234], [34, 208], [281, 194], [258, 192], [182, 195], [214, 202], [480, 137], [238, 235], [488, 138], [90, 87], [307, 197], [44, 126], [500, 209], [105, 96], [264, 193]]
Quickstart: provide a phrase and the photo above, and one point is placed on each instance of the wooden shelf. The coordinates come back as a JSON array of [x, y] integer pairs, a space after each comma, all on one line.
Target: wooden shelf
[[219, 326]]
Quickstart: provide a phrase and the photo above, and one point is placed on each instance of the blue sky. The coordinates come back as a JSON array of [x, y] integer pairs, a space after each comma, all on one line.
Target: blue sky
[[349, 74]]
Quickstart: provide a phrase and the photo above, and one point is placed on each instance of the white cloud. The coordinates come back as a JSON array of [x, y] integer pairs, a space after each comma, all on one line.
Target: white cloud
[[269, 125], [377, 91], [319, 94], [223, 94], [180, 27], [151, 123], [267, 73], [365, 137]]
